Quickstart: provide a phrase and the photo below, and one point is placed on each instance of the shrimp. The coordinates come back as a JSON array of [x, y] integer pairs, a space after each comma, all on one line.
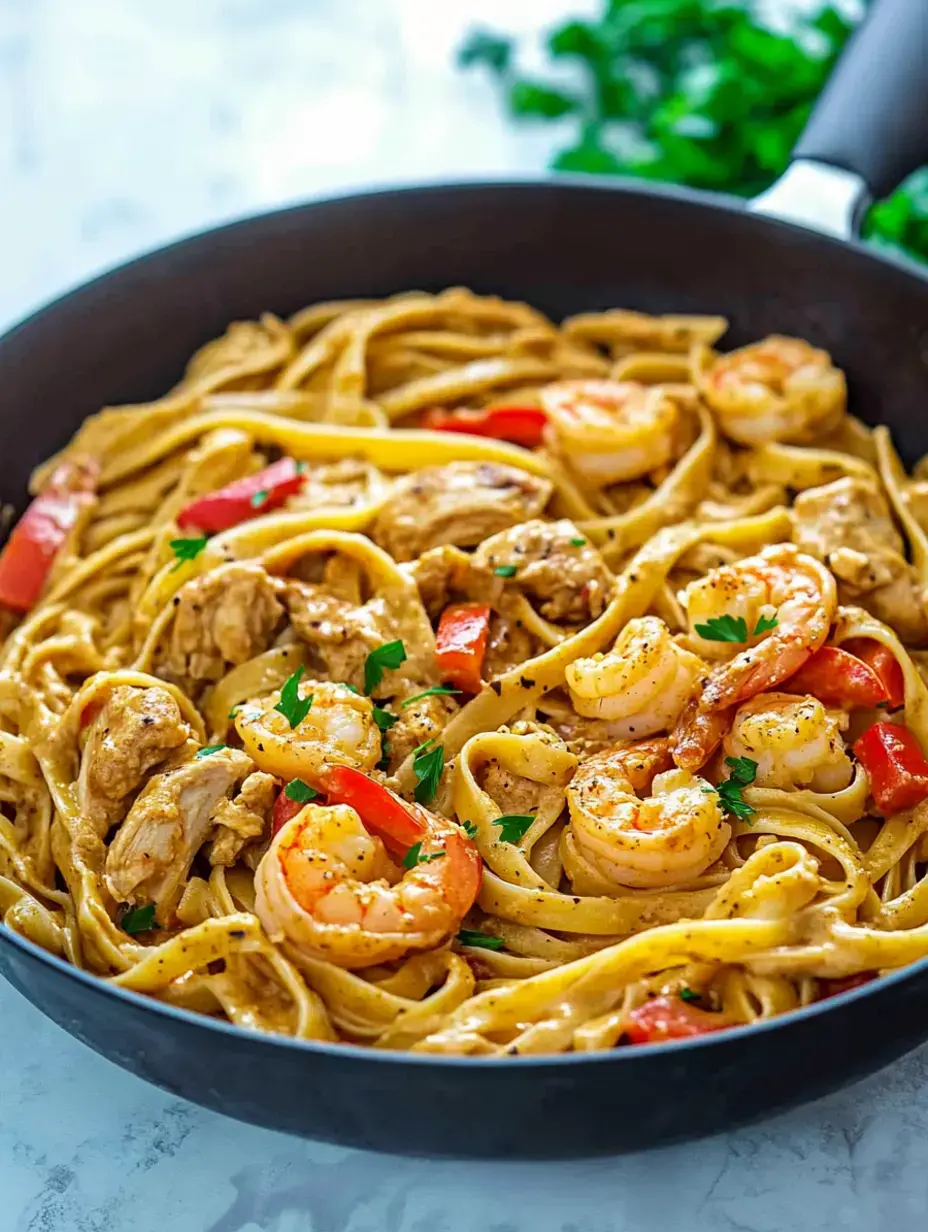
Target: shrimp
[[795, 742], [780, 389], [780, 585], [610, 431], [328, 886], [338, 728], [641, 685], [668, 838]]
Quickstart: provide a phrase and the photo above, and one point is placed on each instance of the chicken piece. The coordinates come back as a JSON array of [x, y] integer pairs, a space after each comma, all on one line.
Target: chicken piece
[[848, 526], [424, 720], [243, 818], [135, 730], [460, 503], [150, 857], [337, 485], [508, 645], [438, 573], [554, 564], [225, 617]]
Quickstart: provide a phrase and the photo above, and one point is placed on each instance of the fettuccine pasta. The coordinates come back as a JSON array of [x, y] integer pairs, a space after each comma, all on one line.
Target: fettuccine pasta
[[424, 674]]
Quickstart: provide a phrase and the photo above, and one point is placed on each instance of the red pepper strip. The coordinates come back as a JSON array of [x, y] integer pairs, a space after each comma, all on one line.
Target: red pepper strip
[[383, 813], [285, 810], [243, 499], [461, 644], [838, 678], [895, 765], [521, 425], [831, 988], [880, 659], [669, 1018], [37, 537]]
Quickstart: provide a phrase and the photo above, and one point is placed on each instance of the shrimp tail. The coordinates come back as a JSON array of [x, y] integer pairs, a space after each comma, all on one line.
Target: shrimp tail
[[698, 734]]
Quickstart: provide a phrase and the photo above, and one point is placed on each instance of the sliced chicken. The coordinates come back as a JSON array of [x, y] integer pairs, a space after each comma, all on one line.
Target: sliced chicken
[[848, 526], [423, 720], [135, 730], [223, 618], [460, 503], [177, 811], [509, 645], [243, 818], [552, 563]]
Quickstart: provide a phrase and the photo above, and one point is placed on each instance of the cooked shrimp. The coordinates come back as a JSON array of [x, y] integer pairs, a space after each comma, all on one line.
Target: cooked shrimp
[[641, 684], [611, 431], [337, 729], [670, 837], [795, 741], [780, 389], [780, 584], [328, 886]]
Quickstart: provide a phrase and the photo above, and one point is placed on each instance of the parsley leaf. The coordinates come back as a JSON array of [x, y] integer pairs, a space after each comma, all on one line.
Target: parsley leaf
[[234, 711], [689, 994], [743, 774], [765, 624], [384, 719], [351, 688], [299, 791], [513, 826], [724, 629], [470, 829], [390, 654], [414, 856], [428, 764], [188, 549], [480, 941], [259, 498], [139, 920], [437, 690], [578, 542], [293, 707], [505, 571], [211, 748]]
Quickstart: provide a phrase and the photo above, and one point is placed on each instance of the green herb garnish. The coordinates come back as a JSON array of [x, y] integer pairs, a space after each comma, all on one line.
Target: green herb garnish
[[351, 688], [765, 624], [299, 791], [578, 542], [384, 719], [688, 994], [414, 856], [505, 571], [293, 707], [139, 920], [480, 941], [233, 712], [513, 826], [743, 774], [188, 549], [470, 829], [733, 628], [259, 498], [390, 655], [210, 749], [437, 690], [428, 764]]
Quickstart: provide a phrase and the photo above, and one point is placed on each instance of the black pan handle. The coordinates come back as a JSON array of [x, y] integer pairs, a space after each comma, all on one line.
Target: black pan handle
[[873, 116]]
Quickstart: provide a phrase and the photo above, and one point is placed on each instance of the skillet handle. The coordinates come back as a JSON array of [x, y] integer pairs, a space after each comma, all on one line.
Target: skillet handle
[[872, 119]]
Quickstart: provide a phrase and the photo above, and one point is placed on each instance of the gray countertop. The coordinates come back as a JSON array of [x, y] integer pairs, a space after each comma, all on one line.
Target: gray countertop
[[124, 123]]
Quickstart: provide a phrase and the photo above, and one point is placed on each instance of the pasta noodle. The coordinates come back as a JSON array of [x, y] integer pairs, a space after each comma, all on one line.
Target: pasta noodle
[[425, 674]]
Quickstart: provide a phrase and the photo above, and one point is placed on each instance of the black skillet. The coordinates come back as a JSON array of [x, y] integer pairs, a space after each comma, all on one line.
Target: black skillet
[[566, 247]]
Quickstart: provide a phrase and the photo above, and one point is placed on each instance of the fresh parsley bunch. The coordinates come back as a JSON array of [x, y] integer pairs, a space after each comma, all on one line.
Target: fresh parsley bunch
[[698, 92]]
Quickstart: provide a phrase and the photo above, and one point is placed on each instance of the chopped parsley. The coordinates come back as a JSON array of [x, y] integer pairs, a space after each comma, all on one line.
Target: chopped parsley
[[188, 549], [689, 994], [743, 774], [259, 498], [384, 763], [390, 654], [139, 920], [384, 719], [414, 856], [210, 749], [293, 707], [234, 711], [299, 791], [579, 542], [733, 628], [513, 826], [437, 690], [470, 829], [428, 764], [506, 571], [351, 688], [478, 940]]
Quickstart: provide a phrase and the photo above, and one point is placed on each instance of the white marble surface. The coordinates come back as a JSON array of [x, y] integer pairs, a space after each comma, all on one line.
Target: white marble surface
[[124, 123]]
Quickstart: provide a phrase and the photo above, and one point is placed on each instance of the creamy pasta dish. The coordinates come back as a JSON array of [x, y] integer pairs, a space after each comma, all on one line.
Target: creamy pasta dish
[[424, 674]]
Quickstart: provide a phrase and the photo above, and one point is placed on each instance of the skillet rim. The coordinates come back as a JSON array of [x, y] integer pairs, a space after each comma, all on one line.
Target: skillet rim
[[621, 186]]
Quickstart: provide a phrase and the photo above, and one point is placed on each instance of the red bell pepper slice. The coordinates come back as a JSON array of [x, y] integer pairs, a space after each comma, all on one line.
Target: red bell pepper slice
[[37, 537], [669, 1018], [832, 988], [880, 659], [243, 499], [285, 810], [461, 644], [838, 678], [520, 425], [382, 812], [895, 765]]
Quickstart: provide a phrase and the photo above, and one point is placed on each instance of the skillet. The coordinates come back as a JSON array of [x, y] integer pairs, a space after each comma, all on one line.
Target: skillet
[[565, 246]]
